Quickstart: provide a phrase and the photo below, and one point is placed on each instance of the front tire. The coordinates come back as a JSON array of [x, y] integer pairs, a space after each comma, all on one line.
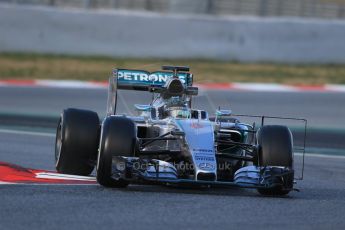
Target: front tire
[[76, 144], [118, 139], [276, 149]]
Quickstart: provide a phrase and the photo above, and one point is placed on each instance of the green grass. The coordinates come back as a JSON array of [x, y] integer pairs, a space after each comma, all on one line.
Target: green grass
[[38, 66]]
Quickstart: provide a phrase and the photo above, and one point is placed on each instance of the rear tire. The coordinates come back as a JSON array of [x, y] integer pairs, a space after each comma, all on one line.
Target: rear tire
[[76, 144], [118, 138], [276, 149]]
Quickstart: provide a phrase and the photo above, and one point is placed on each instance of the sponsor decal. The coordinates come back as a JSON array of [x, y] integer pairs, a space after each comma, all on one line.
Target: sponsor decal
[[203, 153], [206, 166], [201, 158], [196, 125], [146, 78], [203, 150], [204, 158]]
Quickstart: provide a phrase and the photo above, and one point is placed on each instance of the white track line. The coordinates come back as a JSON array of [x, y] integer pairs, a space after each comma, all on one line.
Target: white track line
[[51, 175], [3, 183], [69, 84], [22, 132], [319, 155]]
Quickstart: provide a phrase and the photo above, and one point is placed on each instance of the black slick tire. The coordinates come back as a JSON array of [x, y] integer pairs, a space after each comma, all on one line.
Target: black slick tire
[[76, 143]]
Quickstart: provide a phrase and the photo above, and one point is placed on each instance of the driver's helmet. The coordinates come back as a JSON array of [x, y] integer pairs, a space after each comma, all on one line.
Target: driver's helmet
[[179, 112]]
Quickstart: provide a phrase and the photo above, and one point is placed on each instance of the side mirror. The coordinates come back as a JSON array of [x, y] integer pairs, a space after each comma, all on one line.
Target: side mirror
[[223, 113], [192, 91], [142, 108]]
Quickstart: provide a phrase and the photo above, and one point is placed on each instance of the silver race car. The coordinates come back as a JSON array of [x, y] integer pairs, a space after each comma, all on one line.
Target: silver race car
[[171, 143]]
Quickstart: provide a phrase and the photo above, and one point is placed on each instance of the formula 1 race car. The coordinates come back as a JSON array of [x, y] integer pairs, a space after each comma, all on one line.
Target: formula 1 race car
[[170, 142]]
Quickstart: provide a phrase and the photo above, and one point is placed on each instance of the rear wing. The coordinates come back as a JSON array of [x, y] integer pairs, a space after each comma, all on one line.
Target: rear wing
[[133, 79], [144, 80]]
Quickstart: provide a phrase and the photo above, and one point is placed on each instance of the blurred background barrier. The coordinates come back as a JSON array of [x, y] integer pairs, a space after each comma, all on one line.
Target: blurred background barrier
[[145, 34], [299, 8]]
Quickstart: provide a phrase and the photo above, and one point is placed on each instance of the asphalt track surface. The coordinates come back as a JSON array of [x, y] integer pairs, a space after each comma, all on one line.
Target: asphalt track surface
[[319, 205]]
